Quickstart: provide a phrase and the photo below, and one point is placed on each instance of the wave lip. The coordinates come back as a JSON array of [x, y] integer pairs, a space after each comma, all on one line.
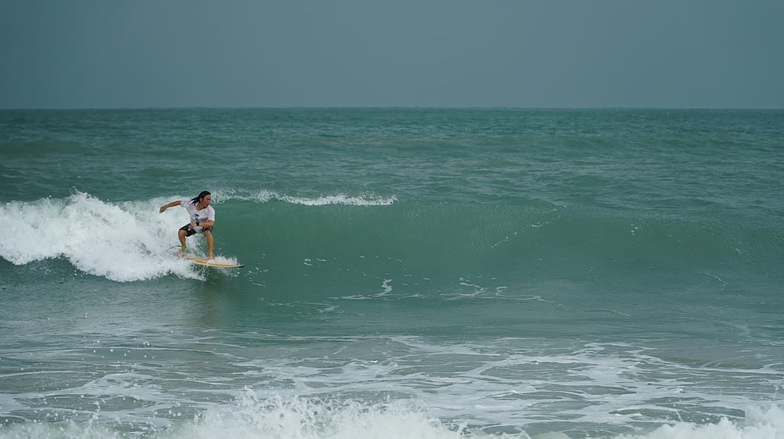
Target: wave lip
[[126, 241], [265, 196], [344, 200]]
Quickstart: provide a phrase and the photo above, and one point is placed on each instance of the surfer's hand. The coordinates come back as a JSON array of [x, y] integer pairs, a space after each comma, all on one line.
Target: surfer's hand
[[162, 209]]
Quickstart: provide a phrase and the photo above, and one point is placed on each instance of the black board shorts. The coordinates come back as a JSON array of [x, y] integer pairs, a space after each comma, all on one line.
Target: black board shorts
[[190, 232]]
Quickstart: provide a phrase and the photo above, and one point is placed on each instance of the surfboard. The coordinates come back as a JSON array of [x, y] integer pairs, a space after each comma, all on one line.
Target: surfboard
[[218, 262]]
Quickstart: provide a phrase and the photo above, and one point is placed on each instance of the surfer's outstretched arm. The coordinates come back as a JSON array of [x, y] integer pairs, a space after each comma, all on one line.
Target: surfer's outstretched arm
[[172, 204]]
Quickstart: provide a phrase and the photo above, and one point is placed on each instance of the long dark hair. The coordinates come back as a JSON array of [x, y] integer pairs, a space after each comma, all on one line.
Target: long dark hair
[[198, 198]]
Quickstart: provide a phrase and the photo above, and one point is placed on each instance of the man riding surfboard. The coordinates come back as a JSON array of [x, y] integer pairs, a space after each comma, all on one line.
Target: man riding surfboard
[[202, 219]]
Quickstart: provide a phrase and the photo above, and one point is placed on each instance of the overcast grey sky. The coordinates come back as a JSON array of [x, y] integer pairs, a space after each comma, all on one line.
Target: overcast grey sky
[[435, 53]]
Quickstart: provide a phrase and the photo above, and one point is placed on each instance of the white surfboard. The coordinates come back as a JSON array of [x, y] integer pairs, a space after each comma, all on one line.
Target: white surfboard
[[217, 262]]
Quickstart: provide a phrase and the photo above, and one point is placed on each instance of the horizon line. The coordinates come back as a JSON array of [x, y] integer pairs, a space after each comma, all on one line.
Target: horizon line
[[386, 107]]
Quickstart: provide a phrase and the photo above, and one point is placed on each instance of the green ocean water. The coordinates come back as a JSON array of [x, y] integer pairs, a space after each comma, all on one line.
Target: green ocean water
[[408, 273]]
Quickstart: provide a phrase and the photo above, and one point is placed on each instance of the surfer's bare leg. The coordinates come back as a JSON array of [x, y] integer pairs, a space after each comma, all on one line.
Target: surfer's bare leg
[[181, 235], [208, 236]]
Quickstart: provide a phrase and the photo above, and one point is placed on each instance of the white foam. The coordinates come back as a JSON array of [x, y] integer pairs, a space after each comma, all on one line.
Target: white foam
[[760, 423], [341, 200], [122, 242], [252, 417], [263, 196]]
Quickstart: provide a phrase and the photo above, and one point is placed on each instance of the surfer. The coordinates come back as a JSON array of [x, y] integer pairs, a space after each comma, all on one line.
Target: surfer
[[202, 217]]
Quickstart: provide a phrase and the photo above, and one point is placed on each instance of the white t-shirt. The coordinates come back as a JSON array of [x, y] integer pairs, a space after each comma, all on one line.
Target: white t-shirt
[[198, 216]]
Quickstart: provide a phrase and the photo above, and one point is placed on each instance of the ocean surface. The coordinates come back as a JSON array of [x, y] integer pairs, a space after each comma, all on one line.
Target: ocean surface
[[409, 273]]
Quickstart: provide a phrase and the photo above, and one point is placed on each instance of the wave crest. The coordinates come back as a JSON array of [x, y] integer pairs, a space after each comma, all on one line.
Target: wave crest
[[265, 196]]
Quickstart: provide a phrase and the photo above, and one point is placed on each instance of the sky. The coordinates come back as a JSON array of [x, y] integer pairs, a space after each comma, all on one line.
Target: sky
[[402, 53]]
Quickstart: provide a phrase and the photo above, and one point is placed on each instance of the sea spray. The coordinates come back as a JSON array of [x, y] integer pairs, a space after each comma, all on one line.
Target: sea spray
[[120, 241]]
